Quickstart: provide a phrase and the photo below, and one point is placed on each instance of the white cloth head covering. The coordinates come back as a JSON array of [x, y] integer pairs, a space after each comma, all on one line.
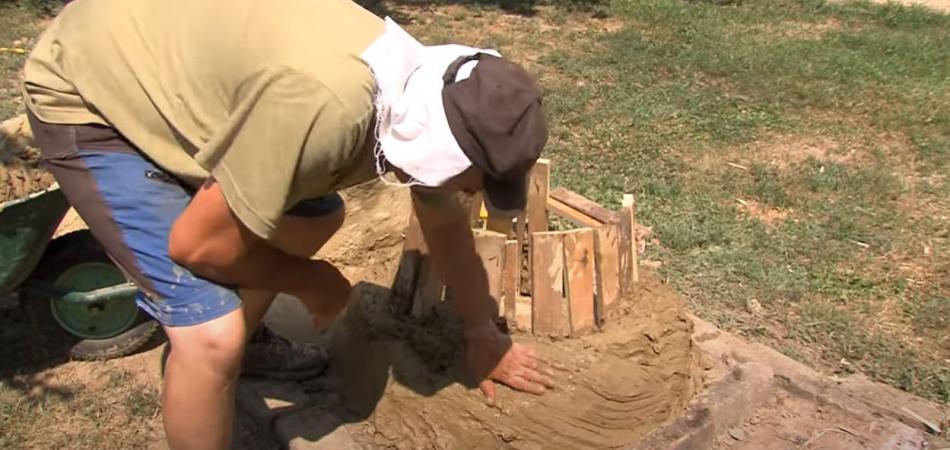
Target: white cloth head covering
[[412, 131]]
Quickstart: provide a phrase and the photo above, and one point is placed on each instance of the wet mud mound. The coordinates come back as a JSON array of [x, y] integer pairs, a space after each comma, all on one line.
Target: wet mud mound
[[20, 171], [398, 382]]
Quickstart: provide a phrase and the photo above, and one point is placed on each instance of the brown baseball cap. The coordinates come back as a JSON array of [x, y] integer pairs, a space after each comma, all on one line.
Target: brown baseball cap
[[496, 117]]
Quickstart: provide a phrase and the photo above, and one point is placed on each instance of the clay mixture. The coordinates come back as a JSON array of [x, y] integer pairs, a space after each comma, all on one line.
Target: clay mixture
[[20, 172], [400, 382]]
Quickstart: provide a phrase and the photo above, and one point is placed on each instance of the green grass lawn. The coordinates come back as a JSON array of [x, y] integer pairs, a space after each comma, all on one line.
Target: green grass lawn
[[794, 153]]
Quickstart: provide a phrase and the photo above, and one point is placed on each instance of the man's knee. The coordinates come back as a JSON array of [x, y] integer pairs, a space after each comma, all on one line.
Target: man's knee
[[218, 344]]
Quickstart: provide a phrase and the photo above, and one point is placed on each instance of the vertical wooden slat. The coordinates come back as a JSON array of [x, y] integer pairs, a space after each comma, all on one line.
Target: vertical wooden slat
[[549, 308], [536, 214], [521, 236], [510, 278], [538, 187], [579, 279], [607, 265], [491, 248], [630, 209], [627, 252]]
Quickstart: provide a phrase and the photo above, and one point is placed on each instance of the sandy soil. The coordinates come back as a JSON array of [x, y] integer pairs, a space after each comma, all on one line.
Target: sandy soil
[[20, 173], [399, 382]]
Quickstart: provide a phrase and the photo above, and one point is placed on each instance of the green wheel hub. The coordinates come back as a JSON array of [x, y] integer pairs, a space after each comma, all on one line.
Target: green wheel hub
[[99, 320]]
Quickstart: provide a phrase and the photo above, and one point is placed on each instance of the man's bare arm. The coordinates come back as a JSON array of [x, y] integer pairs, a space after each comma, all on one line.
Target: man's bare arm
[[211, 241], [446, 230]]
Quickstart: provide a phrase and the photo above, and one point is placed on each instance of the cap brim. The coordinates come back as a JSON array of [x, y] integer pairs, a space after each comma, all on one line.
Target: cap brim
[[505, 198]]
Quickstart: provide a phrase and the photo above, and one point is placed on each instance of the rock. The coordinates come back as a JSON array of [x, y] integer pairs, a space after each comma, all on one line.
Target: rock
[[754, 307], [737, 434]]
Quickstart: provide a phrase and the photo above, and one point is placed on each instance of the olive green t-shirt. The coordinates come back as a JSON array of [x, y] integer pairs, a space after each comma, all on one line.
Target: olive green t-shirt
[[269, 97]]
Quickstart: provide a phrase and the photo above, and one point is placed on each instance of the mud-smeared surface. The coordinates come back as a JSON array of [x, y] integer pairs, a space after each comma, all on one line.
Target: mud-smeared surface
[[20, 172], [400, 383]]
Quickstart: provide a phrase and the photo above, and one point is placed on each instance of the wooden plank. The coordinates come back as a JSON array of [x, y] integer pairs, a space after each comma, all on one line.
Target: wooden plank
[[549, 308], [538, 187], [536, 214], [579, 279], [491, 248], [583, 205], [627, 252], [630, 209], [576, 217], [607, 268], [510, 278], [521, 236]]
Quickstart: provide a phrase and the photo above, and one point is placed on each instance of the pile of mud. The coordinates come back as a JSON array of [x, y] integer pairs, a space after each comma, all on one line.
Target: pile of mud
[[20, 171], [398, 382]]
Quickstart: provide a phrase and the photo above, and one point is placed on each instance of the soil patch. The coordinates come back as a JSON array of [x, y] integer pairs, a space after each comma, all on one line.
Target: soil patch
[[401, 383], [20, 171]]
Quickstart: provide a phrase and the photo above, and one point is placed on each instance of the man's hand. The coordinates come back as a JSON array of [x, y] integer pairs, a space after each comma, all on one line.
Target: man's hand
[[492, 356]]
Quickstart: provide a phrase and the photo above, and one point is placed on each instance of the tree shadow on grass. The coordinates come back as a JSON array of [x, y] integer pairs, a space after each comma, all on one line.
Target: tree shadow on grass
[[384, 8]]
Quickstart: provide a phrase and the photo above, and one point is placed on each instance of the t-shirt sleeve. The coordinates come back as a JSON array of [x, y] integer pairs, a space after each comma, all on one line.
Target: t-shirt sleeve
[[277, 117]]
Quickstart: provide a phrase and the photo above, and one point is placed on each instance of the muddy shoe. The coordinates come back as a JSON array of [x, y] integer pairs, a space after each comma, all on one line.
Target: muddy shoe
[[269, 355]]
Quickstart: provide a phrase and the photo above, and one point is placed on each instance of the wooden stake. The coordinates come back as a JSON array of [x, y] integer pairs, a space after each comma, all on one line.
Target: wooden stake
[[584, 205], [510, 278], [521, 236], [491, 248], [538, 186], [579, 279], [607, 267], [630, 209], [549, 308]]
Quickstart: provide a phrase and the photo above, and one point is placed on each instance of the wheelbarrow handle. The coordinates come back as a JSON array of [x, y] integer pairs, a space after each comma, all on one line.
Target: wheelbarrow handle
[[98, 295]]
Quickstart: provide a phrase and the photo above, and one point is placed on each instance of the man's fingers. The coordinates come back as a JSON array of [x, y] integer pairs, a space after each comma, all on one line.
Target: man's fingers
[[488, 388], [525, 385], [537, 377]]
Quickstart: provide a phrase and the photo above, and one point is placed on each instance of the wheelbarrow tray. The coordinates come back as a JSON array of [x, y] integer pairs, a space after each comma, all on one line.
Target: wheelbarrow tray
[[26, 226]]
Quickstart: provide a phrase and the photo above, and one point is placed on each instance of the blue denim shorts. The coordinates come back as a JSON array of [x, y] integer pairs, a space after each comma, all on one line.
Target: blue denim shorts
[[130, 205]]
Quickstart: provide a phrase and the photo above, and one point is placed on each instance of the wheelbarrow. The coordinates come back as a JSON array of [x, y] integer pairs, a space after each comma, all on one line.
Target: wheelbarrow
[[72, 293]]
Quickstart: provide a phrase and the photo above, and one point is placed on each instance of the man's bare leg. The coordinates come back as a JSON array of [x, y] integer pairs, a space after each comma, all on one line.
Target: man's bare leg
[[298, 236], [200, 378]]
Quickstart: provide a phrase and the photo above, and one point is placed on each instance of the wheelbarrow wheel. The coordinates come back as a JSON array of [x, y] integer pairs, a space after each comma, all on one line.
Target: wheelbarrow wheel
[[103, 330]]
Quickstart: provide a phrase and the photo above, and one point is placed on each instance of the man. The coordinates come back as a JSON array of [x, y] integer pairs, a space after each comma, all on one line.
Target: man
[[204, 142]]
